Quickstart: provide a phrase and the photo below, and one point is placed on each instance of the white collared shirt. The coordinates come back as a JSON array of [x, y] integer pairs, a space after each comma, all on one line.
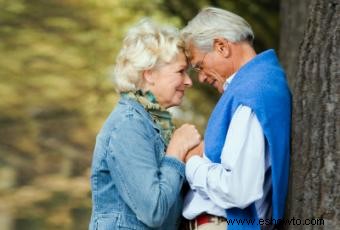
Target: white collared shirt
[[242, 177]]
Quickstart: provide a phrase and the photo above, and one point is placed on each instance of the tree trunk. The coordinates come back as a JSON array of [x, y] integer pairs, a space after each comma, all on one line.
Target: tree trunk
[[310, 53]]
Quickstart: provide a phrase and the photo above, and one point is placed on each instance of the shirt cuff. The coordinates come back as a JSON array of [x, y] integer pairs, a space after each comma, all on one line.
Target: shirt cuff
[[174, 163], [191, 167]]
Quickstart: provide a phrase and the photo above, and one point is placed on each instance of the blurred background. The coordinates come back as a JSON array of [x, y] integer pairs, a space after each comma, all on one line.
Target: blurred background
[[55, 92]]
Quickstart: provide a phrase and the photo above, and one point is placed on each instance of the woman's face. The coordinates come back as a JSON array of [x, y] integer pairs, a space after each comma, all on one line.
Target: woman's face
[[168, 82]]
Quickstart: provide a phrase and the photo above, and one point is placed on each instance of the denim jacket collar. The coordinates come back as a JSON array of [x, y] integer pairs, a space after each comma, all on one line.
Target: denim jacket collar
[[138, 107]]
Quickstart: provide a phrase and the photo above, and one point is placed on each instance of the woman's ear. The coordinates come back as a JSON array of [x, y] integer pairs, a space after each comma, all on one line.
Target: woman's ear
[[148, 77], [222, 47]]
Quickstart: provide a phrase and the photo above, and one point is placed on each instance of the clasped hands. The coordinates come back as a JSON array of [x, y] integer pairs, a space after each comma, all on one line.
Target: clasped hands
[[195, 151], [185, 143]]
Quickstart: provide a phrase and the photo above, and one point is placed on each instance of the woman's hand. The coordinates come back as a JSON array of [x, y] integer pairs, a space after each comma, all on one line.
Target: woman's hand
[[196, 151], [184, 138]]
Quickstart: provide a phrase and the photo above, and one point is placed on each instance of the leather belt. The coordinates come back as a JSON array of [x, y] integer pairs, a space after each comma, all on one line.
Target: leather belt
[[204, 219]]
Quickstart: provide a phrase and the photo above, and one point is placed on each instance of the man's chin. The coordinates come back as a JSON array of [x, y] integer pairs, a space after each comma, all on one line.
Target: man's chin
[[217, 86], [220, 90]]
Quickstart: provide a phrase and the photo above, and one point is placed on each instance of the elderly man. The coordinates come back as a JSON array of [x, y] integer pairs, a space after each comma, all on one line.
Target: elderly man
[[241, 181]]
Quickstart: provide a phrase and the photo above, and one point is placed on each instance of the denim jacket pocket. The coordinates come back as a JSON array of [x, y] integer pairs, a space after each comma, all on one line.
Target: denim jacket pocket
[[107, 221]]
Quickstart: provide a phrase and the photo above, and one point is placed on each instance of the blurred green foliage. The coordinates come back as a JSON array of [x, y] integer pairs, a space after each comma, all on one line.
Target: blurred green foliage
[[55, 92]]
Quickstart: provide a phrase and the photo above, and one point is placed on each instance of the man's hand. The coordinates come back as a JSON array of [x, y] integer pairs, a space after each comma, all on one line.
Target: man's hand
[[196, 151], [184, 138]]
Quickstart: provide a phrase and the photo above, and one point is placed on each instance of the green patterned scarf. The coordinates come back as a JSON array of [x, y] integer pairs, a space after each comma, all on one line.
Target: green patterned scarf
[[160, 116]]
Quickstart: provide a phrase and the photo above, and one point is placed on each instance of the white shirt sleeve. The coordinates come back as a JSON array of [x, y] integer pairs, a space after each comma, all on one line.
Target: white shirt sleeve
[[238, 180]]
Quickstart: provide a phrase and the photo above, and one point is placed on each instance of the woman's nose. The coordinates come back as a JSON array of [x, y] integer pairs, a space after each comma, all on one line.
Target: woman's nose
[[187, 81]]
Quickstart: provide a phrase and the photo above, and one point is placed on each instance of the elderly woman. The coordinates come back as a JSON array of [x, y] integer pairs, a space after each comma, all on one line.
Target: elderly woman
[[137, 168]]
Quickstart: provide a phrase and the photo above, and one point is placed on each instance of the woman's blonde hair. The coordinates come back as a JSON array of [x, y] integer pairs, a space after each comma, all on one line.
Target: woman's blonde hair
[[146, 46]]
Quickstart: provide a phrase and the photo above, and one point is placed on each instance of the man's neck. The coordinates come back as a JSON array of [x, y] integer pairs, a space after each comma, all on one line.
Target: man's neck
[[245, 52]]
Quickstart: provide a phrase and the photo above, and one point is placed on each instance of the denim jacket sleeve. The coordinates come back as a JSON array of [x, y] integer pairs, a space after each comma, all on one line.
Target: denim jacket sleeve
[[149, 186]]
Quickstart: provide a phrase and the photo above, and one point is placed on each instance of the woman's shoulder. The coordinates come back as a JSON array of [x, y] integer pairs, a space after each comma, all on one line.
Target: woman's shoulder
[[129, 114]]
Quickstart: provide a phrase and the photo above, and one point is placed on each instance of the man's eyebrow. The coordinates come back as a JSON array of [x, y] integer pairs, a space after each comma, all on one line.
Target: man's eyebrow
[[197, 64]]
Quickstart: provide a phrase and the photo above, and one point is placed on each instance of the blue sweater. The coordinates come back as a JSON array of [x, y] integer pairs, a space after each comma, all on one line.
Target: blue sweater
[[261, 85]]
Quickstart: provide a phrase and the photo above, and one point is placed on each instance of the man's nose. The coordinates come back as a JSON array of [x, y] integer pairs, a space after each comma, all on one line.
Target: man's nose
[[202, 77]]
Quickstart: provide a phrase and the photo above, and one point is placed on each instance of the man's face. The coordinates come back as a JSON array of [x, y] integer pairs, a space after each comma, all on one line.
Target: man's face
[[212, 67]]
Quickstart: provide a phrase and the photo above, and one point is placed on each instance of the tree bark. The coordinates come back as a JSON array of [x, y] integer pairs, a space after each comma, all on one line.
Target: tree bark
[[309, 50], [293, 16]]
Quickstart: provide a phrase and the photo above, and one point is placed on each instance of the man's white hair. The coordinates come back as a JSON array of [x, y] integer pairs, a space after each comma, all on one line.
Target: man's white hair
[[212, 23], [145, 47]]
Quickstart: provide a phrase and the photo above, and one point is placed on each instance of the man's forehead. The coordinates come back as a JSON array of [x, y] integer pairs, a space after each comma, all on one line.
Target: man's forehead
[[192, 52]]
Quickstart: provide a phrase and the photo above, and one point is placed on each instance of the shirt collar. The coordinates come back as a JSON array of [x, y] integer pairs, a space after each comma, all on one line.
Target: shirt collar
[[228, 81]]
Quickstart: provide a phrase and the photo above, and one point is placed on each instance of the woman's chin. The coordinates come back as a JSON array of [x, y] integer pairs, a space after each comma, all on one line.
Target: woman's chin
[[179, 100], [176, 102]]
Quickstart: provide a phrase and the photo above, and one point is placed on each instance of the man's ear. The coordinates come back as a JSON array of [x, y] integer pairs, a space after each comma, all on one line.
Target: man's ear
[[148, 77], [222, 46]]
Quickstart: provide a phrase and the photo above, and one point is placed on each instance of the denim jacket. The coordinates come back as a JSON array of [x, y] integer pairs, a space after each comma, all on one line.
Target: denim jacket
[[134, 185]]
